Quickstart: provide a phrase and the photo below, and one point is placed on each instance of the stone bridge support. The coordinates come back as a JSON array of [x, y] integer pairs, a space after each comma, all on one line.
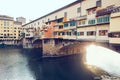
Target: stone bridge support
[[59, 47]]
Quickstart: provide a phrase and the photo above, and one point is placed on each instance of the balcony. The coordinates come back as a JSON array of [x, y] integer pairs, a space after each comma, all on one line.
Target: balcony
[[59, 24], [60, 36], [105, 11], [116, 10]]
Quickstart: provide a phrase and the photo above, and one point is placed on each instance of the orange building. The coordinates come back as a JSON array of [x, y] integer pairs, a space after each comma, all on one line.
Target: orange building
[[48, 32]]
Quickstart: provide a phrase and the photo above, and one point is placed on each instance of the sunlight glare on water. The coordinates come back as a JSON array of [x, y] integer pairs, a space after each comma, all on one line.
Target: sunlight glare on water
[[103, 58]]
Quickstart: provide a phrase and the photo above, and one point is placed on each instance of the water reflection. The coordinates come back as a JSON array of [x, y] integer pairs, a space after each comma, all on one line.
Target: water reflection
[[104, 58], [63, 68], [13, 66], [27, 64]]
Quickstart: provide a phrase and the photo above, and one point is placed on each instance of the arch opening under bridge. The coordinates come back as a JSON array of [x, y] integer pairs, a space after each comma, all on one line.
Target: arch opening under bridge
[[37, 43]]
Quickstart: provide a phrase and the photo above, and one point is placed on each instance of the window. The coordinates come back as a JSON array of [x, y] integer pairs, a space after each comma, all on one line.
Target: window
[[79, 23], [68, 33], [81, 33], [55, 33], [79, 10], [65, 24], [103, 32], [114, 34], [65, 14], [91, 22], [38, 23], [91, 33], [4, 34], [83, 22], [60, 27], [55, 17], [63, 33], [59, 33], [74, 32], [72, 23], [78, 33], [98, 3], [5, 23], [103, 19], [8, 34], [60, 20]]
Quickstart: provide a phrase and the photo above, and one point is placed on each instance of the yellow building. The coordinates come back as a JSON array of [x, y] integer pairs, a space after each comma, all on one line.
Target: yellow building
[[9, 30], [17, 30], [114, 34]]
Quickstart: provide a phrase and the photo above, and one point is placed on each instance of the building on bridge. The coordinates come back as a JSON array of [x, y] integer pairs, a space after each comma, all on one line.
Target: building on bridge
[[83, 20]]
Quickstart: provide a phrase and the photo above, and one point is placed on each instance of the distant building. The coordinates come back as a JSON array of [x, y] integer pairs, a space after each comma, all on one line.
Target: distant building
[[21, 19], [9, 30], [18, 29]]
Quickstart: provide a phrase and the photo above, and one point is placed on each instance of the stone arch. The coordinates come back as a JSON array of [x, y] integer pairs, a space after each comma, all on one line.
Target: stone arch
[[37, 43]]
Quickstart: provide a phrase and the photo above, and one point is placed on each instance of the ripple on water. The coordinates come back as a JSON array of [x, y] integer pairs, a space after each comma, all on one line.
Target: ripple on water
[[13, 66]]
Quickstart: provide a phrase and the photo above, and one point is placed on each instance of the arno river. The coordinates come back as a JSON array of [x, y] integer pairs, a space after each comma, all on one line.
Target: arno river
[[21, 64]]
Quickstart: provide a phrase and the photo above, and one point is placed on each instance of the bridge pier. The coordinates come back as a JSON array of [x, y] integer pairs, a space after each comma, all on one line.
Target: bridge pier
[[48, 46], [27, 43], [61, 47]]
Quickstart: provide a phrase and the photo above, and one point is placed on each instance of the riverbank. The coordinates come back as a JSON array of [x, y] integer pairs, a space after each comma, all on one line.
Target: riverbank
[[10, 46]]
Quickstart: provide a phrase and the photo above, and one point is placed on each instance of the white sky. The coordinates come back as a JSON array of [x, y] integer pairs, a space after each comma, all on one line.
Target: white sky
[[30, 9]]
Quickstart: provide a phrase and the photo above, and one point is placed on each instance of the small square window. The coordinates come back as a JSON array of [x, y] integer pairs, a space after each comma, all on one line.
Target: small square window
[[79, 10]]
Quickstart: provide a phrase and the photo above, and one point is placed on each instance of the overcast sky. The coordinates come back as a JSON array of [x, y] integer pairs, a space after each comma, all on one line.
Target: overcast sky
[[30, 9]]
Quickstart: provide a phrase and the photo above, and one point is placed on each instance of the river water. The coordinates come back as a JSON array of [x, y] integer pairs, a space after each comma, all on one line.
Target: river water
[[27, 64]]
